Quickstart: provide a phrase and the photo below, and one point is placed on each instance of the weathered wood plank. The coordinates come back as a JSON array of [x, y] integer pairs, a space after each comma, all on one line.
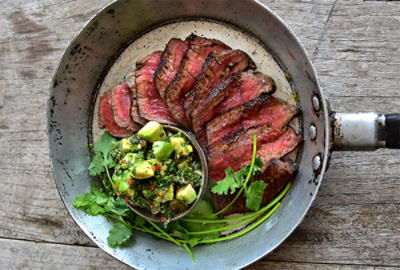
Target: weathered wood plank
[[33, 255], [355, 219], [17, 254]]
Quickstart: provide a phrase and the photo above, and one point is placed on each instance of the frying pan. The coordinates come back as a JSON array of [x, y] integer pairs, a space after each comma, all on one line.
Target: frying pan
[[89, 64]]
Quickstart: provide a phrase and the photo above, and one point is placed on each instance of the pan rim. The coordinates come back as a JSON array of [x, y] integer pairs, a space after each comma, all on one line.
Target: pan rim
[[324, 103]]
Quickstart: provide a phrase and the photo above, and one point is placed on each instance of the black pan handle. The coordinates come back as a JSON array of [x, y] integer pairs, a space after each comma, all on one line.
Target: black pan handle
[[391, 131], [365, 131]]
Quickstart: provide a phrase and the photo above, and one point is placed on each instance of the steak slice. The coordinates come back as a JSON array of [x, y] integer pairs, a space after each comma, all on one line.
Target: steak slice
[[169, 65], [234, 90], [264, 110], [271, 144], [130, 79], [223, 64], [276, 176], [150, 104], [190, 68], [106, 117], [121, 101]]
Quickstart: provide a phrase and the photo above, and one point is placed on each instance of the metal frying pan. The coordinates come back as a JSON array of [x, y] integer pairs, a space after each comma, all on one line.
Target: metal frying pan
[[92, 63]]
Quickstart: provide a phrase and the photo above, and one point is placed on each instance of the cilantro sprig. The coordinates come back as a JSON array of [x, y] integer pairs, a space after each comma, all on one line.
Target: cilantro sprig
[[101, 202], [101, 160], [235, 180]]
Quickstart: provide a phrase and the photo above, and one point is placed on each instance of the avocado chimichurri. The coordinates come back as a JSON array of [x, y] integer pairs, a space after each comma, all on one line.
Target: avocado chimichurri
[[157, 170]]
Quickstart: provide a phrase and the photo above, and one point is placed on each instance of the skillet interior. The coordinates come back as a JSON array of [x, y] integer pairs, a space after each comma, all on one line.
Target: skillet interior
[[73, 91]]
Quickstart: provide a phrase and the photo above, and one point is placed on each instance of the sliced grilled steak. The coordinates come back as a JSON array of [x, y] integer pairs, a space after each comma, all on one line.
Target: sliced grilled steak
[[169, 65], [150, 104], [222, 65], [271, 144], [106, 117], [130, 79], [121, 100], [234, 90], [190, 68], [276, 176], [264, 110]]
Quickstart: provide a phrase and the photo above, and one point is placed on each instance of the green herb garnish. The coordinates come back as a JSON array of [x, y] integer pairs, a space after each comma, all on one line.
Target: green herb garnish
[[187, 233], [235, 180], [101, 160]]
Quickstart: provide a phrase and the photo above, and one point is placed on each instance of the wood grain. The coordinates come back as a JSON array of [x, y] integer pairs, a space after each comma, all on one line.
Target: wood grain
[[355, 220]]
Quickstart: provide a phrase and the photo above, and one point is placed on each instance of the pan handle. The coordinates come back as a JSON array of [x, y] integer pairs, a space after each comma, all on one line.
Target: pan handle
[[365, 131]]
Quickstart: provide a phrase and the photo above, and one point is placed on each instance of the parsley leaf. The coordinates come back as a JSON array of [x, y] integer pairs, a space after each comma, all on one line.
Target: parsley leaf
[[254, 195], [119, 234]]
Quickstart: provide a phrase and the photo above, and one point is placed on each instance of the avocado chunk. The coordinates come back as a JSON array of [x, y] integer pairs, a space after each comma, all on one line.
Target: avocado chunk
[[169, 194], [143, 170], [152, 131], [162, 150], [181, 148], [126, 144], [129, 159], [186, 194]]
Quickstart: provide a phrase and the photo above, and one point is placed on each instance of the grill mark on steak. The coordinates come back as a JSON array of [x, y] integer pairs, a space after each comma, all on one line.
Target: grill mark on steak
[[231, 91], [121, 101], [106, 117], [222, 65], [276, 176], [170, 61], [191, 66], [130, 79], [150, 104], [271, 144], [263, 110]]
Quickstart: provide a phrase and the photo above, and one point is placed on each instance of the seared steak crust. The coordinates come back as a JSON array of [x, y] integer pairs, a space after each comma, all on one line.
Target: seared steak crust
[[276, 176], [150, 104], [231, 91], [170, 61], [264, 110], [271, 144], [222, 65], [189, 70]]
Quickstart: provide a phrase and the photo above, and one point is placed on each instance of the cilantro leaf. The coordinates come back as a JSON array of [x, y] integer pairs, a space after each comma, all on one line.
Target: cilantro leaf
[[105, 144], [257, 166], [96, 166], [235, 180], [101, 160], [119, 234], [254, 195], [96, 202], [228, 183]]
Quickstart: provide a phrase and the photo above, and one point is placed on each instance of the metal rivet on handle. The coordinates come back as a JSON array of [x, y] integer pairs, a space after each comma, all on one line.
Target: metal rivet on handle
[[313, 132], [315, 103], [316, 163]]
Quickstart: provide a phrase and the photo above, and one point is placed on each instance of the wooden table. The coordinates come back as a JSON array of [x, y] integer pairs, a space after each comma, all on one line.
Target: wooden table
[[355, 220]]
